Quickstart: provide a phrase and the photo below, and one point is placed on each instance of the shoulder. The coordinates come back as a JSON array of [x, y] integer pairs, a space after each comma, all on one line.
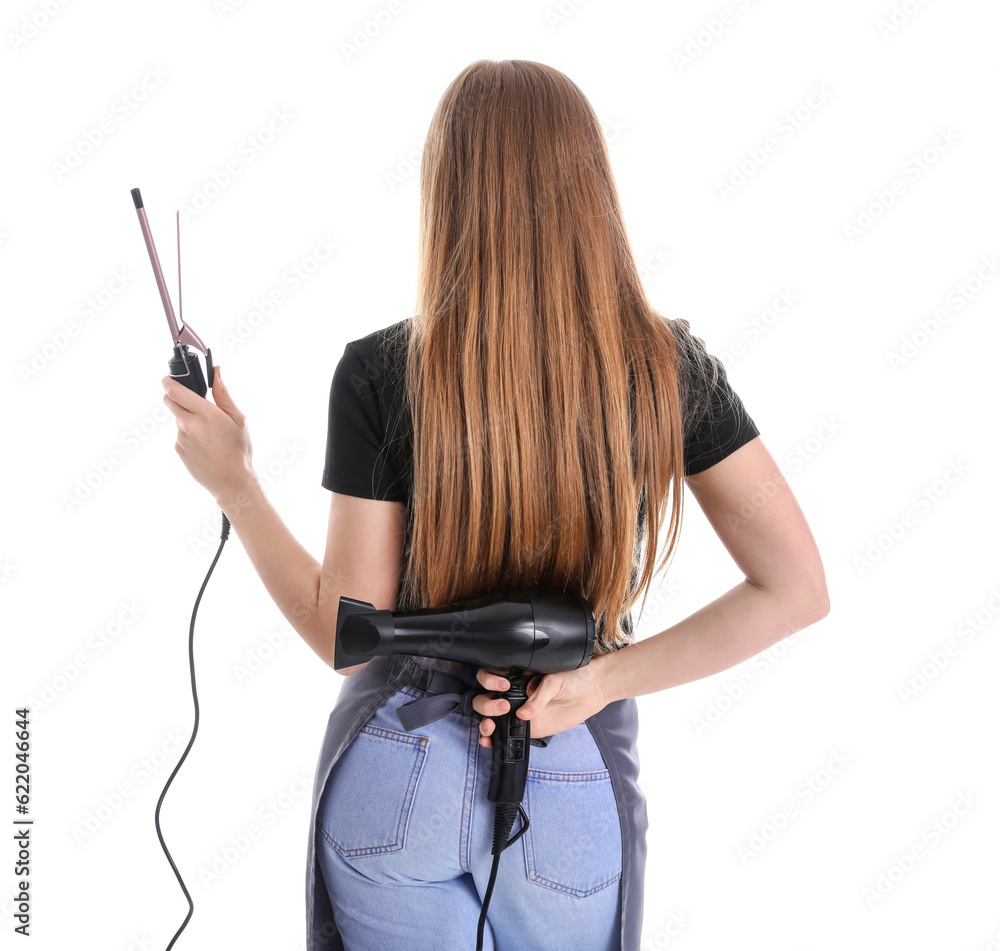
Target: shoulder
[[382, 343], [695, 363], [375, 361], [377, 365], [715, 420], [699, 372]]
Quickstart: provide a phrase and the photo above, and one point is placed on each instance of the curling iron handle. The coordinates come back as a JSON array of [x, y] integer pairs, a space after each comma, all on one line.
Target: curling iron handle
[[185, 368]]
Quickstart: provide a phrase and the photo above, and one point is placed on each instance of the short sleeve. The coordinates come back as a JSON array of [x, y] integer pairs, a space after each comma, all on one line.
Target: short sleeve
[[356, 463], [722, 424]]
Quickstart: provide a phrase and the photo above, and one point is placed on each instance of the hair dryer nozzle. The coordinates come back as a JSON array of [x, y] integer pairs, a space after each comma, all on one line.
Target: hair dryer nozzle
[[362, 633]]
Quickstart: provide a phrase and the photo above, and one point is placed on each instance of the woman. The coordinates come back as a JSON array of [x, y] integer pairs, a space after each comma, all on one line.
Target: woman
[[528, 429]]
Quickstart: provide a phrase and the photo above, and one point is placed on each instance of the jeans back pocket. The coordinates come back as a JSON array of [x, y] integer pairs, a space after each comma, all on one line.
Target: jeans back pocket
[[574, 840], [369, 795]]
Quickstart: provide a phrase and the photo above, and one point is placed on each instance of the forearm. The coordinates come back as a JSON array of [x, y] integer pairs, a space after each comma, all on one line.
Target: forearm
[[289, 573], [739, 624]]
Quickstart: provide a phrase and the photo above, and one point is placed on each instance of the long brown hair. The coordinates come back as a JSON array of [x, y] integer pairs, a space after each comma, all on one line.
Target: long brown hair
[[544, 391]]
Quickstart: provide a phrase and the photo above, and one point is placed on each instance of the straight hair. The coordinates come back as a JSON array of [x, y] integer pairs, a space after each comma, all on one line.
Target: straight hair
[[544, 392]]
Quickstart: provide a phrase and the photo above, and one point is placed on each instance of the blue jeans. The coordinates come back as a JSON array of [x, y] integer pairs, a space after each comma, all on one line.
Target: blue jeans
[[406, 831]]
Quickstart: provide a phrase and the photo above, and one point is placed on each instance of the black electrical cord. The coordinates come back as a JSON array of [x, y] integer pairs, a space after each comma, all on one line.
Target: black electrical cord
[[194, 733], [503, 820]]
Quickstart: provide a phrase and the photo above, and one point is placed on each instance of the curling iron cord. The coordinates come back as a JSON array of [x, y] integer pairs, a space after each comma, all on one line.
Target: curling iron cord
[[194, 733]]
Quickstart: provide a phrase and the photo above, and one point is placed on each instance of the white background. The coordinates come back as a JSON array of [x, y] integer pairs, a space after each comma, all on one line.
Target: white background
[[686, 92]]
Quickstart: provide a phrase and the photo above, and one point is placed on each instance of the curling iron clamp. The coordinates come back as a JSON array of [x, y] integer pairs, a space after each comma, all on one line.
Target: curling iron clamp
[[185, 367]]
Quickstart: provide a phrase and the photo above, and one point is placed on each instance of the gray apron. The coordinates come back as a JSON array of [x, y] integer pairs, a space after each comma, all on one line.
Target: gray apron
[[615, 729]]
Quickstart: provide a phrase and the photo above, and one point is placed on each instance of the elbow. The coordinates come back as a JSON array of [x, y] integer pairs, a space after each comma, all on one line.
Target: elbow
[[813, 601], [348, 671], [808, 601], [818, 609]]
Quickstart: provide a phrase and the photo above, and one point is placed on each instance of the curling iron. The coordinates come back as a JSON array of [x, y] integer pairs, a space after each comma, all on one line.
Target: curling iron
[[185, 367], [527, 632]]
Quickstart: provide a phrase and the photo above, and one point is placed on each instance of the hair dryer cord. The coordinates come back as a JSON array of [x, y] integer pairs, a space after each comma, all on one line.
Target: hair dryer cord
[[503, 813]]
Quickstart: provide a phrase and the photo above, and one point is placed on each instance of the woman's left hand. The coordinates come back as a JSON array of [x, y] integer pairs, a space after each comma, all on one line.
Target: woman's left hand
[[556, 702], [212, 438]]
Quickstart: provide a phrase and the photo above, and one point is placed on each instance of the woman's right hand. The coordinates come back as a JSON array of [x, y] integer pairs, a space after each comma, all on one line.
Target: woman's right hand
[[556, 701]]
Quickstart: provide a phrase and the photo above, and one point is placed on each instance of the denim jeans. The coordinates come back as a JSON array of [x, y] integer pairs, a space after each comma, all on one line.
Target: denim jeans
[[406, 831]]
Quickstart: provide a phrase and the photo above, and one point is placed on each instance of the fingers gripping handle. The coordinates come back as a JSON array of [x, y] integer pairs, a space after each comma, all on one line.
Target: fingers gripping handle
[[511, 743]]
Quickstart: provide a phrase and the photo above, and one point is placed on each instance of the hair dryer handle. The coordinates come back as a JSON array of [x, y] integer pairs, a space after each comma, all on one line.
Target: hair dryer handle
[[511, 743]]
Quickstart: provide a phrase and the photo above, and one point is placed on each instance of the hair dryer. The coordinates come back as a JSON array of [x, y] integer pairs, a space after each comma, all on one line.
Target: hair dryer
[[527, 632]]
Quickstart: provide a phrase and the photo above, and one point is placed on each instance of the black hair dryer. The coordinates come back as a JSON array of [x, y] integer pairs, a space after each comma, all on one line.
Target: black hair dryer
[[527, 632], [524, 631]]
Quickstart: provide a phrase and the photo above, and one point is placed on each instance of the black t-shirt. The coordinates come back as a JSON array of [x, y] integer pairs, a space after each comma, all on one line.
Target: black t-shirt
[[369, 448]]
